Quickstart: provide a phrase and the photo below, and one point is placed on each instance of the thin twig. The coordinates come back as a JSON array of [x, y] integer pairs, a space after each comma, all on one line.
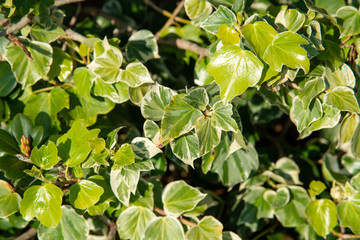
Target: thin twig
[[170, 21], [165, 13], [27, 235], [345, 235], [184, 221], [60, 3]]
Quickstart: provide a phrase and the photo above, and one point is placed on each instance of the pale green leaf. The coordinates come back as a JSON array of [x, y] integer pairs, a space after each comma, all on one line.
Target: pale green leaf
[[311, 89], [342, 98], [179, 118], [234, 70], [179, 197], [350, 21], [142, 46], [44, 203], [222, 15], [26, 71], [302, 116], [45, 157], [285, 49], [208, 228], [209, 136], [349, 213], [84, 194], [186, 147], [322, 215], [74, 146], [221, 116], [339, 76], [41, 34], [290, 19], [71, 226], [198, 98], [259, 35], [135, 75], [154, 102], [162, 228], [132, 222], [124, 155], [9, 200]]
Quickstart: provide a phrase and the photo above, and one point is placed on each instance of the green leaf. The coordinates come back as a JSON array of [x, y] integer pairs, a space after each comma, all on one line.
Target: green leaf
[[135, 75], [7, 79], [349, 213], [285, 49], [347, 128], [28, 72], [74, 146], [350, 24], [311, 89], [290, 19], [302, 116], [339, 76], [355, 142], [124, 155], [186, 148], [222, 15], [71, 226], [85, 194], [164, 228], [293, 213], [106, 66], [221, 116], [316, 187], [342, 98], [7, 143], [178, 197], [142, 46], [21, 126], [61, 66], [322, 216], [117, 92], [154, 102], [279, 198], [50, 35], [132, 222], [234, 70], [197, 9], [45, 157], [179, 118], [47, 105], [198, 98], [228, 35], [209, 136], [9, 200], [44, 203], [208, 228], [259, 35]]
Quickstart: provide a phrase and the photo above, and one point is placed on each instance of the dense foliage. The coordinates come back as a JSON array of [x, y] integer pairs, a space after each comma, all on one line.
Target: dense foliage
[[197, 119]]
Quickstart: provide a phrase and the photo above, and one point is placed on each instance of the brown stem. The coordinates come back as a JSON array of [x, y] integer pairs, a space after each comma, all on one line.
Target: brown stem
[[111, 225], [184, 221], [165, 13], [60, 3], [345, 235], [27, 235], [170, 21]]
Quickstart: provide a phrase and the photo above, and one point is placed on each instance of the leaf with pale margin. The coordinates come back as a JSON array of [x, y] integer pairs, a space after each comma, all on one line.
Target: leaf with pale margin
[[74, 146], [71, 226], [285, 49], [135, 74], [234, 70], [221, 116], [154, 102], [208, 228], [186, 148], [44, 203], [349, 213], [133, 221], [9, 200], [198, 98], [259, 35], [311, 89], [342, 98], [290, 19], [209, 136], [302, 116], [28, 72], [222, 15], [179, 197], [45, 157], [84, 194], [124, 155], [162, 228], [322, 215], [179, 118], [350, 24], [106, 66], [142, 46], [347, 128], [339, 76]]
